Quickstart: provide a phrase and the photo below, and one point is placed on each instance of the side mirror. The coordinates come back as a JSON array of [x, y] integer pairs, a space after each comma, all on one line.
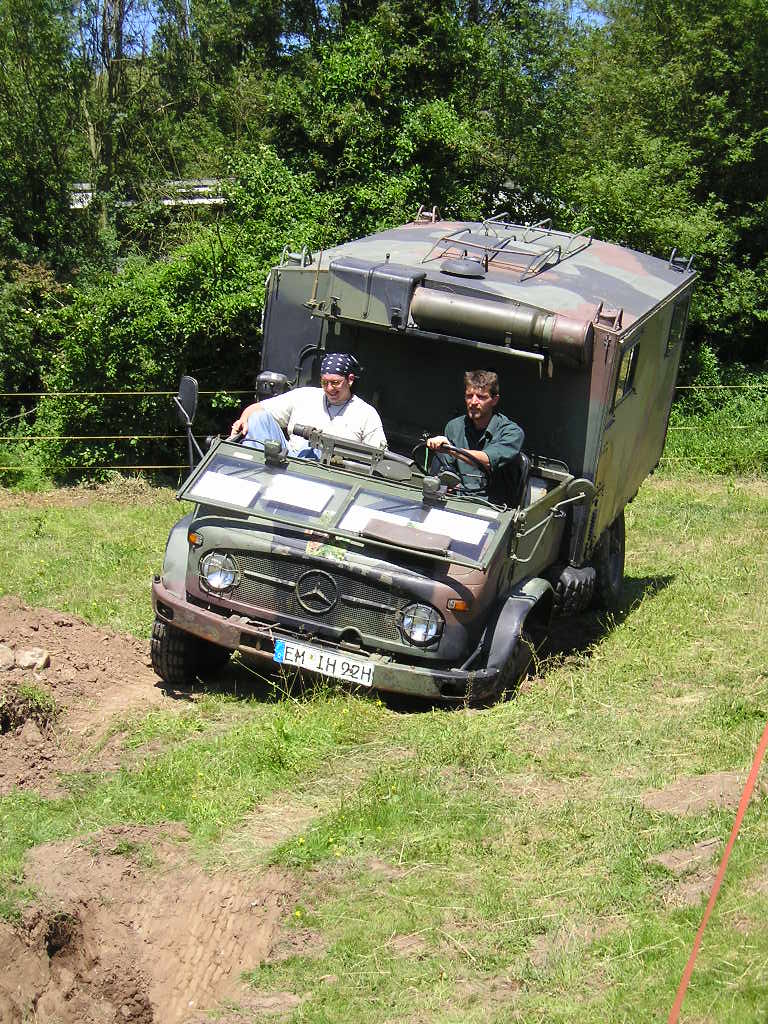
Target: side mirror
[[186, 407], [186, 402]]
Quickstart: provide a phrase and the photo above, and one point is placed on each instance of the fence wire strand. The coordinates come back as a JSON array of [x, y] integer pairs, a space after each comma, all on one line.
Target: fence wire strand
[[85, 438], [112, 394]]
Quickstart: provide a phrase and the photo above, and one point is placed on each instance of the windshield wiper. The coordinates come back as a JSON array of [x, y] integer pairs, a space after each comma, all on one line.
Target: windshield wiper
[[406, 536]]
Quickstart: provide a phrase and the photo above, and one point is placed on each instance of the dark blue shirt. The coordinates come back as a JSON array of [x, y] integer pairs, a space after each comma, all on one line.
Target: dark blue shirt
[[501, 441]]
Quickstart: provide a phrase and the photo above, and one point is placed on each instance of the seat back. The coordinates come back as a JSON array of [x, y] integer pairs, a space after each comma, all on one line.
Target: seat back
[[523, 465], [509, 485]]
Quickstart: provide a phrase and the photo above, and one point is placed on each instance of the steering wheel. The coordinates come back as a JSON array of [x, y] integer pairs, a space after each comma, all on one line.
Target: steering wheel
[[458, 453]]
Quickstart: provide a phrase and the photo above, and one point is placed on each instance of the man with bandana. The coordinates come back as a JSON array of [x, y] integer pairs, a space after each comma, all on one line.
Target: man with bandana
[[331, 408]]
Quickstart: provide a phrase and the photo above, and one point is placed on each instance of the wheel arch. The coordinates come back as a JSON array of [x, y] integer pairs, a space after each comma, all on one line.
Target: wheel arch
[[174, 573], [530, 602]]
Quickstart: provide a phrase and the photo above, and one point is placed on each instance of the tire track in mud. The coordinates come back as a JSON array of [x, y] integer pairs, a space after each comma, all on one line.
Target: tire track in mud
[[128, 927], [126, 924]]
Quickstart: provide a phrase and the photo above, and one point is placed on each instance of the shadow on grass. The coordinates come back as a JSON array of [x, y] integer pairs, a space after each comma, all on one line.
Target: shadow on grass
[[247, 680], [576, 634], [569, 635]]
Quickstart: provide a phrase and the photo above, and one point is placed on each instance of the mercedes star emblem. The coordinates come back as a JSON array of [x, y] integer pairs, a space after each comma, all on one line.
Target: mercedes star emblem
[[316, 592]]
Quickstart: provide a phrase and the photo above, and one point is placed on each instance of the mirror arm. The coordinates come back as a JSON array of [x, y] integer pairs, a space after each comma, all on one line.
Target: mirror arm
[[182, 411], [192, 445]]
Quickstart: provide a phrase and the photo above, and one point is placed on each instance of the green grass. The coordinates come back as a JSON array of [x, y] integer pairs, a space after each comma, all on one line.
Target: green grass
[[515, 837], [209, 783], [721, 429], [96, 561]]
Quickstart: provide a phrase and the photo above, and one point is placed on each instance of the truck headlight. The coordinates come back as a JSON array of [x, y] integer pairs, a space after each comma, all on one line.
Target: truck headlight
[[218, 571], [421, 624]]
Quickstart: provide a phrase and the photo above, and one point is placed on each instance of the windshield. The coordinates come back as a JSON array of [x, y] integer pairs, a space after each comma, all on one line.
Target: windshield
[[306, 494]]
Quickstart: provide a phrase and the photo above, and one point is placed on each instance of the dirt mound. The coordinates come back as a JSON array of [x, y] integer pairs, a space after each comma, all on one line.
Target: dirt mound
[[94, 675], [698, 793], [680, 862], [118, 490], [128, 928]]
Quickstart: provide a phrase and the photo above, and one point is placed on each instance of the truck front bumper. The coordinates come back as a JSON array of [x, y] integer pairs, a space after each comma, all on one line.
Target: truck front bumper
[[257, 639]]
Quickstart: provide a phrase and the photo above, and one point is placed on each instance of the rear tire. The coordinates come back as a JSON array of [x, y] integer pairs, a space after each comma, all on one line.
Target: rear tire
[[178, 657], [608, 560]]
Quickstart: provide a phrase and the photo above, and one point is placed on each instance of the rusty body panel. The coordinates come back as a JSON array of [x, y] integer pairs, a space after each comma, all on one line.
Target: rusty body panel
[[585, 337]]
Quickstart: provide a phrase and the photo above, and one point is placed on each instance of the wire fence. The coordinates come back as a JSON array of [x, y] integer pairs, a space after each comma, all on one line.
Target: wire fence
[[113, 394], [86, 439]]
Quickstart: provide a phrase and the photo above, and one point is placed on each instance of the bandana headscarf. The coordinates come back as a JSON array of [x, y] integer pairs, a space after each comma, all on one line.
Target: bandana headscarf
[[338, 362]]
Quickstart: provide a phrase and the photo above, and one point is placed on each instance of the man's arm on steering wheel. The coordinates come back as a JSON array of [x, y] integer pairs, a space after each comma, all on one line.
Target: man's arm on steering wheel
[[469, 455]]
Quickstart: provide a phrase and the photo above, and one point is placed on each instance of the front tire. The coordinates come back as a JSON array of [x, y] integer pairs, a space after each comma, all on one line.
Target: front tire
[[608, 560], [178, 657], [523, 661]]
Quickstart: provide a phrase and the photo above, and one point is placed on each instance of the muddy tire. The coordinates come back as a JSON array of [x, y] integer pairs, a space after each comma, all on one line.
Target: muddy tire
[[178, 658], [524, 660], [608, 561]]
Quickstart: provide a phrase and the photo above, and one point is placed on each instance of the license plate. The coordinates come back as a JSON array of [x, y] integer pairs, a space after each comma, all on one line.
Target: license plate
[[329, 663]]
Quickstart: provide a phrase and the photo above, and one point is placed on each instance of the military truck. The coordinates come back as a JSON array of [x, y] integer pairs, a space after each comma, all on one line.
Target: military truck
[[366, 567]]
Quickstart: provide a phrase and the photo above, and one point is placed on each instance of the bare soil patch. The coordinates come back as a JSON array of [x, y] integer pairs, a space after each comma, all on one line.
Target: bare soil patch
[[697, 793], [409, 945], [274, 822], [386, 872], [490, 992], [121, 490], [299, 942], [128, 928], [286, 814], [691, 890], [94, 676], [546, 792], [758, 884], [680, 862], [545, 948], [258, 1005]]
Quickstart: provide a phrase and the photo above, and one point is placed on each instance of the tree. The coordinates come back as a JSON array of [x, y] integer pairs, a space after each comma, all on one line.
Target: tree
[[112, 43], [38, 101], [667, 145], [424, 103]]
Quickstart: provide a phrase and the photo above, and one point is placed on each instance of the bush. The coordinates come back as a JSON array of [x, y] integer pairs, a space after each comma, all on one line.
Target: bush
[[722, 429], [138, 332]]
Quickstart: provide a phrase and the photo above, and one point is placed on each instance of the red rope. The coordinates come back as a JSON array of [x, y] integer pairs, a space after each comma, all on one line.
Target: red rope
[[749, 786]]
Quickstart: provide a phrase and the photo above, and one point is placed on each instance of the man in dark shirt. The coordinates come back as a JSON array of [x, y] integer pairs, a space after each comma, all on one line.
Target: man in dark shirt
[[483, 438]]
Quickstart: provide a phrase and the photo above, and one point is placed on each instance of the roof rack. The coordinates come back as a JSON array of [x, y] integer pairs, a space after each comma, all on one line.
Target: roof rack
[[529, 248], [425, 216]]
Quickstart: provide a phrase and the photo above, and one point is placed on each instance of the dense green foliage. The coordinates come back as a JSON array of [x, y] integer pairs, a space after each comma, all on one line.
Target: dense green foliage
[[648, 121]]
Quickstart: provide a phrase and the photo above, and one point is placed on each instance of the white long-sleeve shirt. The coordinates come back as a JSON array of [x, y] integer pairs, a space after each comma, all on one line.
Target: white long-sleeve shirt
[[354, 420]]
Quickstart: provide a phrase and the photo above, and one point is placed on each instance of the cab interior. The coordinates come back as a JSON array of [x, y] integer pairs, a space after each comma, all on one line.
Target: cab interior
[[416, 383]]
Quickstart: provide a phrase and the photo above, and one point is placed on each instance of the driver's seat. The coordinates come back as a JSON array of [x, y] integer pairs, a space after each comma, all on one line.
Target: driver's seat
[[510, 484], [523, 465]]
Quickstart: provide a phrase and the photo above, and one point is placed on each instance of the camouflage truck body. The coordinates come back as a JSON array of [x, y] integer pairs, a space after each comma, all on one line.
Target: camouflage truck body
[[328, 560]]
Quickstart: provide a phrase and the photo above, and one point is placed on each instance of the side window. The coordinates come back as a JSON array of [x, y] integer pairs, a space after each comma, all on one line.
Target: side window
[[626, 376], [677, 326]]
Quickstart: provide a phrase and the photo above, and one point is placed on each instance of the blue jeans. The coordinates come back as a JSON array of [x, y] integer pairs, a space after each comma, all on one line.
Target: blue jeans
[[262, 426]]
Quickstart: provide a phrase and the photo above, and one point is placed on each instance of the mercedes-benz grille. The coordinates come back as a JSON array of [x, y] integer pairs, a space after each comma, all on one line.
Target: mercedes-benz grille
[[335, 598]]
